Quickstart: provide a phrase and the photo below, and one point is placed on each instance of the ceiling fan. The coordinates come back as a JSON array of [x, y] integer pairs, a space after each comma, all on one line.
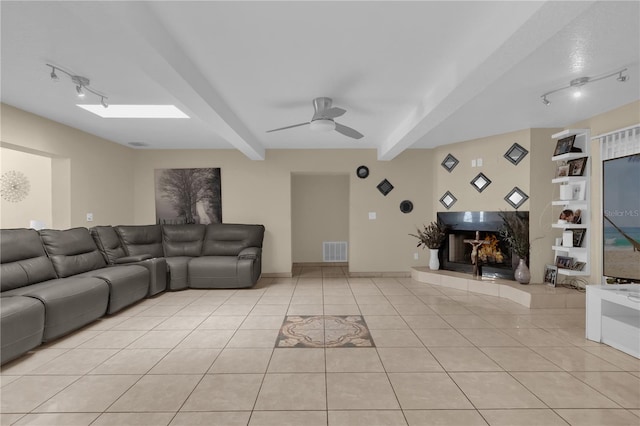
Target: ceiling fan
[[322, 120]]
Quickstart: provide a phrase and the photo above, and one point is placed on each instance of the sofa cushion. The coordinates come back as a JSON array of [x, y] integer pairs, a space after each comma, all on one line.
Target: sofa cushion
[[225, 239], [108, 241], [23, 259], [182, 240], [177, 277], [21, 326], [70, 303], [72, 251], [127, 284], [141, 239]]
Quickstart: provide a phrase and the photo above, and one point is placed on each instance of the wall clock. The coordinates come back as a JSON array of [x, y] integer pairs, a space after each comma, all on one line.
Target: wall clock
[[14, 186], [362, 172]]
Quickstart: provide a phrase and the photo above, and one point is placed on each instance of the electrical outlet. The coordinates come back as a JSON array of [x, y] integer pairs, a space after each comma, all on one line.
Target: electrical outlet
[[479, 162], [473, 163], [89, 217], [416, 256]]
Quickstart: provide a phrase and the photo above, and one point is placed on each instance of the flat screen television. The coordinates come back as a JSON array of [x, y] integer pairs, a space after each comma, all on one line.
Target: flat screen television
[[621, 218]]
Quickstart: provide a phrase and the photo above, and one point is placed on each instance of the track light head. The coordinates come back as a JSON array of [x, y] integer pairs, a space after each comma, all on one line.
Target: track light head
[[103, 102], [622, 78], [545, 101], [80, 92], [53, 74]]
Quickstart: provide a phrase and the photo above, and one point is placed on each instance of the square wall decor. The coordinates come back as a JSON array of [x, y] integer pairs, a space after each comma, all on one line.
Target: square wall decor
[[480, 182], [449, 163], [448, 200], [516, 153], [516, 197], [385, 187]]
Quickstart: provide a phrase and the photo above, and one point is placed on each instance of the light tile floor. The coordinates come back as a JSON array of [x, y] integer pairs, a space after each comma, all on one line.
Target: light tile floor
[[441, 356]]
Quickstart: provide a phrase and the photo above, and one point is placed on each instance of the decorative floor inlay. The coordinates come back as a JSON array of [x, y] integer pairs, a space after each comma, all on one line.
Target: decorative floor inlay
[[324, 331]]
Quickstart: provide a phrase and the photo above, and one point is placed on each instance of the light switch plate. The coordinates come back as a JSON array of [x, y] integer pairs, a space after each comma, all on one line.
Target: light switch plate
[[372, 215], [89, 217], [479, 162]]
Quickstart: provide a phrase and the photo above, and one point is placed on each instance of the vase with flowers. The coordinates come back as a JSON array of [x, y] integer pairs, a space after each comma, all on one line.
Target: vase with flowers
[[515, 231], [431, 237]]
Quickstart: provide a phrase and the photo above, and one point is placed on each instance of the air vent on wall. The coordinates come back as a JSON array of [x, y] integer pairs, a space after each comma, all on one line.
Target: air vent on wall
[[138, 144], [334, 251]]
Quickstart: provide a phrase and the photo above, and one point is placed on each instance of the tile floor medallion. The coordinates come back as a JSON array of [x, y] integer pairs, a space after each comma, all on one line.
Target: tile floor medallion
[[324, 331]]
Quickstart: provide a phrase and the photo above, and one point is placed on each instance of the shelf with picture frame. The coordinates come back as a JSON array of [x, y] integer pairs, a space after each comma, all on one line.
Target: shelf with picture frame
[[573, 167]]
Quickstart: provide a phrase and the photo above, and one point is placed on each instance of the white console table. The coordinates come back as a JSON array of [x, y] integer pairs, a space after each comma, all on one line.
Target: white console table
[[613, 316]]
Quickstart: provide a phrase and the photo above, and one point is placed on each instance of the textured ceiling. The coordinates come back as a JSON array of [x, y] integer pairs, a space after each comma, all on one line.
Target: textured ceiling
[[409, 74]]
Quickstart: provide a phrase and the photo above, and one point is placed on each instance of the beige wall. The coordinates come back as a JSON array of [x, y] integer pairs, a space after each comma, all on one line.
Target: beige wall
[[89, 174], [319, 212], [625, 116], [37, 205], [260, 192], [503, 174]]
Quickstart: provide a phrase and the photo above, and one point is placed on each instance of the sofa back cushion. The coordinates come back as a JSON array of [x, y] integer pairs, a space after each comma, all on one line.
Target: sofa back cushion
[[182, 240], [108, 242], [227, 239], [141, 239], [72, 251], [23, 260]]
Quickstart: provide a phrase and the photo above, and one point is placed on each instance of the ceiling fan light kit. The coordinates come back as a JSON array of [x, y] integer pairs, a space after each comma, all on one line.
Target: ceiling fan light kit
[[322, 125], [322, 120], [577, 83]]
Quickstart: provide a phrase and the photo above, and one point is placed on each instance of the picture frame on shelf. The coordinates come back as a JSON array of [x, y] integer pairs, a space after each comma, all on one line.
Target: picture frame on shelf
[[578, 236], [577, 166], [564, 145], [564, 262], [580, 190], [562, 170], [550, 275], [578, 266], [570, 216]]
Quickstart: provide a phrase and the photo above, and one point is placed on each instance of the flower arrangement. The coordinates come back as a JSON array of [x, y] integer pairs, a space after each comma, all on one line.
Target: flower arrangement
[[432, 236], [515, 232]]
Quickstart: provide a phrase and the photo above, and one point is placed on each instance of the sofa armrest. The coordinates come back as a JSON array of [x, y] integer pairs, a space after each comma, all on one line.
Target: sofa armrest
[[250, 253], [131, 259]]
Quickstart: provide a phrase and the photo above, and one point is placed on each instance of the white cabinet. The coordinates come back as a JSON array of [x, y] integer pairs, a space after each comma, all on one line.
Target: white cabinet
[[613, 316], [573, 193]]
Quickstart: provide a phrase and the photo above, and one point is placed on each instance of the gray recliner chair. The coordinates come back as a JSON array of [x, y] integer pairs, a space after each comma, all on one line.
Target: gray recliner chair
[[69, 303], [108, 241], [74, 253]]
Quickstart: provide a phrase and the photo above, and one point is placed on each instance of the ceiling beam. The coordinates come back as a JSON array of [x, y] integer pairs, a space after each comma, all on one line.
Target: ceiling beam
[[507, 46], [143, 38]]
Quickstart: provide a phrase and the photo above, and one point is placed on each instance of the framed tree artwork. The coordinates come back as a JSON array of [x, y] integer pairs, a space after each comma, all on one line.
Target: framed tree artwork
[[188, 196]]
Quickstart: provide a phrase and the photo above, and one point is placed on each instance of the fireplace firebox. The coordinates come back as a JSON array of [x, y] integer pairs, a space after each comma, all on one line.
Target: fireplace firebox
[[495, 259]]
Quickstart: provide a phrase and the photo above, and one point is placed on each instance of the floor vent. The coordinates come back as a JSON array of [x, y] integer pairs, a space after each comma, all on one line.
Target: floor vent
[[334, 251]]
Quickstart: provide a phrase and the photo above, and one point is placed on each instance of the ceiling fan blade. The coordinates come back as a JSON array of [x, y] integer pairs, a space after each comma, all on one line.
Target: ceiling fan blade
[[329, 113], [288, 127], [348, 131]]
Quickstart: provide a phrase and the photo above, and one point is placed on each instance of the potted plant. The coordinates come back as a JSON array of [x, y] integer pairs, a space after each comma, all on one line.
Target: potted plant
[[432, 237], [515, 231]]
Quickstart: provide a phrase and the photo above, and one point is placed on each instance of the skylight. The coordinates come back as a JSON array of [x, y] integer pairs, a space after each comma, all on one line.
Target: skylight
[[135, 111]]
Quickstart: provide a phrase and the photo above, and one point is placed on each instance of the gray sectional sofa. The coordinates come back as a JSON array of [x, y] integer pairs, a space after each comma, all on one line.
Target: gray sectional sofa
[[56, 281]]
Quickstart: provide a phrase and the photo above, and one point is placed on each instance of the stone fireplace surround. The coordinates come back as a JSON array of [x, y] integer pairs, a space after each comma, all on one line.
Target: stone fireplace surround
[[455, 255]]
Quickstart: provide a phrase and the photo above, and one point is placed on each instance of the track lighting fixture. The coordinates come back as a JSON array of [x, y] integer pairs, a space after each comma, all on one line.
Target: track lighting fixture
[[81, 83], [577, 84]]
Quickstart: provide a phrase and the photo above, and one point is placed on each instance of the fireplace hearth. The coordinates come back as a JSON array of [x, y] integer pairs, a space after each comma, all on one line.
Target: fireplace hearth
[[494, 257]]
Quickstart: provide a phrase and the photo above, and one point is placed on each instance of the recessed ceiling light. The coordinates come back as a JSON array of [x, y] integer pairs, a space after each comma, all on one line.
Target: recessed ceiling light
[[135, 111]]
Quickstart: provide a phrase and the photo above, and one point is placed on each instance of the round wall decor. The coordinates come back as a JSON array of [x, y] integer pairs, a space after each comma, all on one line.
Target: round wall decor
[[14, 186], [406, 206], [362, 172]]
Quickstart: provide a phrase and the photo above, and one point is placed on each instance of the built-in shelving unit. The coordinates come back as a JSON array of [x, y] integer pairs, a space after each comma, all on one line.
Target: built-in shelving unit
[[582, 203]]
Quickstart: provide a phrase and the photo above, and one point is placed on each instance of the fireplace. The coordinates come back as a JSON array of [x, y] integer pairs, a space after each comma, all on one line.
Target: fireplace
[[495, 257]]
